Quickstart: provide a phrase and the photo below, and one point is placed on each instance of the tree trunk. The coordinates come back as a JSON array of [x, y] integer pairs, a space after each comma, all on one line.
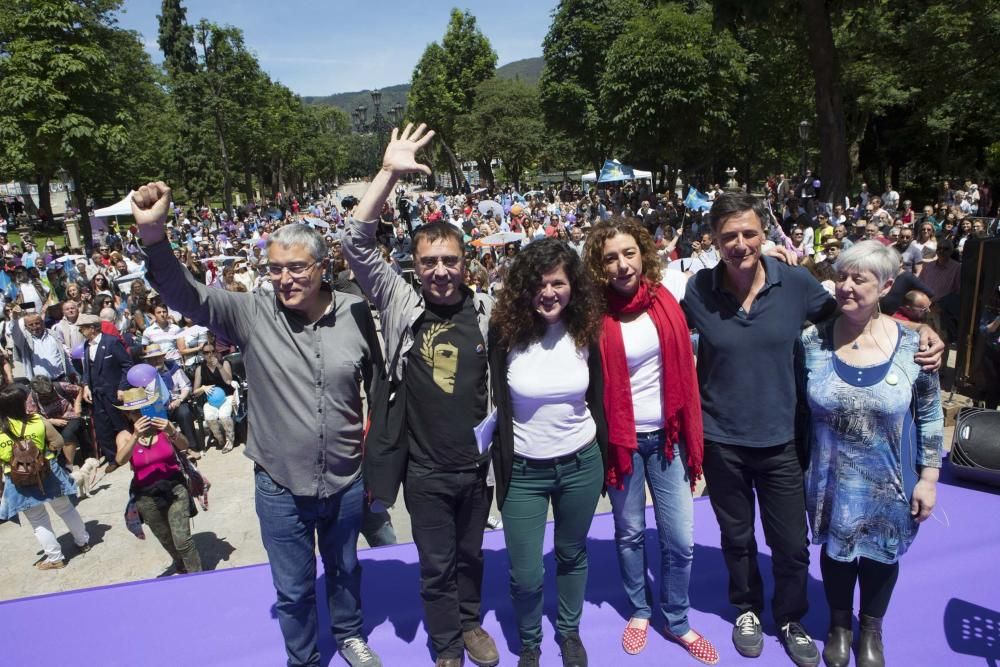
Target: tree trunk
[[227, 179], [44, 195], [486, 172], [454, 167], [279, 172], [81, 203], [829, 105], [248, 184]]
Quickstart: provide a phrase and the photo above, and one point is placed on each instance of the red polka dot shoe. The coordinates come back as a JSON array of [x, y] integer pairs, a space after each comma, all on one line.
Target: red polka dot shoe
[[700, 649], [634, 637]]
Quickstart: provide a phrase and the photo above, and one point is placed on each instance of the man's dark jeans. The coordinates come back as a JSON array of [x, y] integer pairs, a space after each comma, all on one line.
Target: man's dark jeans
[[448, 512], [289, 527], [184, 417], [732, 473]]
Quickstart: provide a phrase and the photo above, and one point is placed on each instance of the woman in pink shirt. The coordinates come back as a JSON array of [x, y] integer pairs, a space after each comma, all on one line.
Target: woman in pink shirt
[[161, 497]]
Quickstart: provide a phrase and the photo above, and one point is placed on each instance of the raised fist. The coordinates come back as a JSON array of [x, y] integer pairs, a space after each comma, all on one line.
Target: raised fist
[[150, 204]]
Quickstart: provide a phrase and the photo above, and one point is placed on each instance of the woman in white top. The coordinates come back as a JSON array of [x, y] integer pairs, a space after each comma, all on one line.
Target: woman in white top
[[550, 442], [653, 411]]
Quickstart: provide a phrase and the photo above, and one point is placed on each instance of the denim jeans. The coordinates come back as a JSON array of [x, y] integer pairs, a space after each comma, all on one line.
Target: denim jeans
[[673, 507], [573, 486], [289, 527]]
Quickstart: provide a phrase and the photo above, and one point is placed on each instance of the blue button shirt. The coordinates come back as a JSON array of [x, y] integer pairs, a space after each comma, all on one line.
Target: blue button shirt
[[746, 360]]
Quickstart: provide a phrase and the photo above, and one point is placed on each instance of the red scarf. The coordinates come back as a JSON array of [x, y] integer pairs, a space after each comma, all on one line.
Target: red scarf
[[678, 382]]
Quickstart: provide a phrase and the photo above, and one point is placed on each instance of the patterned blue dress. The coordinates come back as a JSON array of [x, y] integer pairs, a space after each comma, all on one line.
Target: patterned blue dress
[[869, 430]]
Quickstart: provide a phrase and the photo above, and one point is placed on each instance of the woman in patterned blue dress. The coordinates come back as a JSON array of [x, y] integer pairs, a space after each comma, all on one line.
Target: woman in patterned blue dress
[[875, 431]]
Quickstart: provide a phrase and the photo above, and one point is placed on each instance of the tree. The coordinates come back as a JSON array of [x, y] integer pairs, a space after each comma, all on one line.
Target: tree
[[505, 122], [671, 87], [63, 100], [229, 73], [444, 81], [575, 51], [195, 163]]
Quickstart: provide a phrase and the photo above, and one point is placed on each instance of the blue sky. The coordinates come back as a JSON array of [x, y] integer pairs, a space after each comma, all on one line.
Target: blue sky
[[321, 47]]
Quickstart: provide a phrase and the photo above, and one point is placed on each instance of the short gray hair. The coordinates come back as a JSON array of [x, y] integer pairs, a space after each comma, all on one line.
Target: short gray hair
[[300, 235], [882, 261]]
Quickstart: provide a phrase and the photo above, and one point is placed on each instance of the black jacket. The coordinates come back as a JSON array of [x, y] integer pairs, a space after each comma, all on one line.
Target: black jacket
[[503, 438]]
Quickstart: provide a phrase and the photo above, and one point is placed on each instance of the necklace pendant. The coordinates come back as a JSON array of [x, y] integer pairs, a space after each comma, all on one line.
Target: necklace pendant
[[855, 346]]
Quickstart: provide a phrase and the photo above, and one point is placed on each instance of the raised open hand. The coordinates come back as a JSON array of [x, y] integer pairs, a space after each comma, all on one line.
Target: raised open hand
[[401, 153], [150, 204]]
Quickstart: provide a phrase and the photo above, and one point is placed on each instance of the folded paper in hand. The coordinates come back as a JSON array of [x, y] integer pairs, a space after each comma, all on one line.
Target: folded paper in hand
[[484, 431]]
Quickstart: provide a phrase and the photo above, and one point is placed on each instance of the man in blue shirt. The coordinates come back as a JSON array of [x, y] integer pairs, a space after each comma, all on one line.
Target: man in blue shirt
[[749, 312]]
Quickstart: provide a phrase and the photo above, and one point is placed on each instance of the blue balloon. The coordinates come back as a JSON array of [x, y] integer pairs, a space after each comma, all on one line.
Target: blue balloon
[[216, 397]]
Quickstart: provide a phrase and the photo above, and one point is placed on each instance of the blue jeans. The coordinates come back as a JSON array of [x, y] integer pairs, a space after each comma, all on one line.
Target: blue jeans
[[289, 527], [673, 506]]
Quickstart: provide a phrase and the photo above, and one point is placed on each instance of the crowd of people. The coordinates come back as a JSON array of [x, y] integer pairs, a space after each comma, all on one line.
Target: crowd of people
[[538, 349]]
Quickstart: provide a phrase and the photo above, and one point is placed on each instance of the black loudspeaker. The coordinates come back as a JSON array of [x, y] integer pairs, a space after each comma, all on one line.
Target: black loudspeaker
[[978, 363], [975, 446]]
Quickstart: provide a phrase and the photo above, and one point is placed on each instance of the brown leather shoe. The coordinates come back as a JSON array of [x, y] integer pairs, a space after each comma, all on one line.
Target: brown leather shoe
[[481, 648], [51, 565], [449, 662]]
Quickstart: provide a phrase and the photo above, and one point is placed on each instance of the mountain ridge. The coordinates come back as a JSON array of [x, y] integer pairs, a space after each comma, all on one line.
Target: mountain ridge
[[526, 69]]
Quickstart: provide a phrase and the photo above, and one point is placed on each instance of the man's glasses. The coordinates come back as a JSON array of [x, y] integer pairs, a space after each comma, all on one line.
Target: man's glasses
[[294, 270], [431, 263]]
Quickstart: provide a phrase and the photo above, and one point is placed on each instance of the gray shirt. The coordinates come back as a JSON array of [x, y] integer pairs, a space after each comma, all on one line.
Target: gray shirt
[[305, 379]]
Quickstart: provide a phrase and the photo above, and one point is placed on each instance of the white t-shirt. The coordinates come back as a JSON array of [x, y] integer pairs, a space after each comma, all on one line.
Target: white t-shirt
[[675, 281], [642, 353], [548, 383]]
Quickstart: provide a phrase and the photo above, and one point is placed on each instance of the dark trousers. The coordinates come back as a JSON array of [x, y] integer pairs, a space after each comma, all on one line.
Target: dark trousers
[[183, 417], [108, 422], [877, 581], [448, 512], [733, 473]]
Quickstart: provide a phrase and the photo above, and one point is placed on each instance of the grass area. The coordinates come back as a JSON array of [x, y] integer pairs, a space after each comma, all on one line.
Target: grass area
[[39, 239]]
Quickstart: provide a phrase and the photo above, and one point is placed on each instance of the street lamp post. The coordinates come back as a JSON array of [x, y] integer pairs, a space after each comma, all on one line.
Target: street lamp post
[[379, 125], [803, 137]]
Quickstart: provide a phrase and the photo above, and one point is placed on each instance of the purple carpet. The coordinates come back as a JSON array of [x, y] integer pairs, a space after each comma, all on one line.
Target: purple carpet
[[944, 612]]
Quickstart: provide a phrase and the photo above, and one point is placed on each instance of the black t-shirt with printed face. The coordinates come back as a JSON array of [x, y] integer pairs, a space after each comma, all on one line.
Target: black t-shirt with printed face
[[446, 391]]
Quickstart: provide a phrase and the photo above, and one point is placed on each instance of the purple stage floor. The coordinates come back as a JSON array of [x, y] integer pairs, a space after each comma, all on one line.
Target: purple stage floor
[[944, 613]]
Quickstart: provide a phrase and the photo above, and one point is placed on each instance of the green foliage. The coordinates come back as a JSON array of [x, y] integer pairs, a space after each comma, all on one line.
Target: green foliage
[[575, 51], [60, 98], [505, 122], [176, 39], [468, 58], [670, 87], [444, 82]]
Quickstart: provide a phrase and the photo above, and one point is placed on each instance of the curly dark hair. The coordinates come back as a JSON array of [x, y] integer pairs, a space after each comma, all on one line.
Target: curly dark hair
[[518, 323], [593, 251]]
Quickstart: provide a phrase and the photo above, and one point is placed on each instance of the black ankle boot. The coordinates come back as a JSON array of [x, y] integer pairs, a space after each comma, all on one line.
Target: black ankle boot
[[837, 650], [870, 643]]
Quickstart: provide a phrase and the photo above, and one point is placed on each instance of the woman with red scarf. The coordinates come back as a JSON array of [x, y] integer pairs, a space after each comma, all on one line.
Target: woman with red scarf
[[655, 437]]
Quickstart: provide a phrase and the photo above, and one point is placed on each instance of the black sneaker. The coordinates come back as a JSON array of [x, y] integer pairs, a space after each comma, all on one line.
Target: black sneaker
[[529, 657], [799, 646], [747, 636], [573, 653]]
